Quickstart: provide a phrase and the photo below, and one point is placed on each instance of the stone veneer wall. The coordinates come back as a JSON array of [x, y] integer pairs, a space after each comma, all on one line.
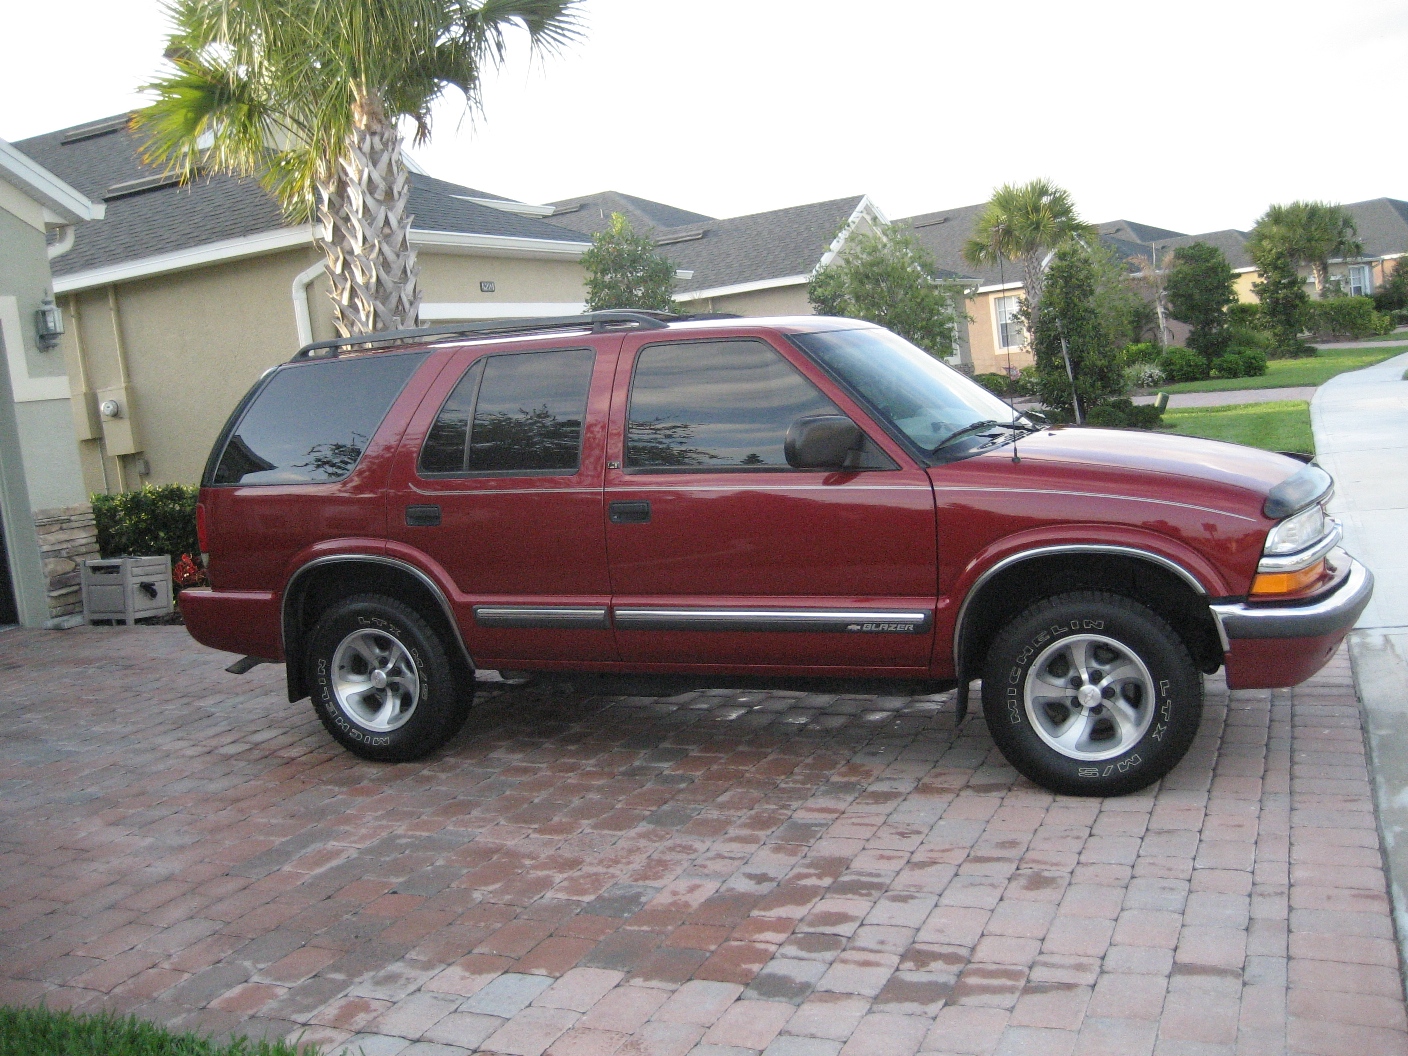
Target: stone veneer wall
[[68, 536]]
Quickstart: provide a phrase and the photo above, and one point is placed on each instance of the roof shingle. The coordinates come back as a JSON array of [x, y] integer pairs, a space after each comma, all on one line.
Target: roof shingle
[[215, 208]]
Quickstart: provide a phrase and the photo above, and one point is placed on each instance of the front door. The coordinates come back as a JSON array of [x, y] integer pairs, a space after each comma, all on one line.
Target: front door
[[723, 555], [499, 482]]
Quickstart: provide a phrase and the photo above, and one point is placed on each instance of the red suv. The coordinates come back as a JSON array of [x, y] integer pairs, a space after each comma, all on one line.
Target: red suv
[[631, 493]]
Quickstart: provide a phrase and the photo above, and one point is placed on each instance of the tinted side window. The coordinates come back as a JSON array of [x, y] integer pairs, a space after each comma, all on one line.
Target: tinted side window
[[516, 413], [309, 424], [715, 405]]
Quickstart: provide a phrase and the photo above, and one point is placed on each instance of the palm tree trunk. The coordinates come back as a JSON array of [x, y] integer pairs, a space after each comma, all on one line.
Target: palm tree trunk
[[1321, 272], [364, 226], [1034, 280]]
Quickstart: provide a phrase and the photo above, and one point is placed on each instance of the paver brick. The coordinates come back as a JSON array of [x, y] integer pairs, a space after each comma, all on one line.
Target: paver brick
[[593, 875]]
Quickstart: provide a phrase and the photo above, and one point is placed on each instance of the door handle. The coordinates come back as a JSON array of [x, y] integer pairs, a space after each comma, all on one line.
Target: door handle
[[629, 512], [423, 516]]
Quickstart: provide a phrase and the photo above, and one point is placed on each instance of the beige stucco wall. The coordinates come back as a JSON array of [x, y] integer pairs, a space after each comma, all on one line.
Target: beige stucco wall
[[195, 341], [780, 300], [455, 278], [983, 336], [192, 342]]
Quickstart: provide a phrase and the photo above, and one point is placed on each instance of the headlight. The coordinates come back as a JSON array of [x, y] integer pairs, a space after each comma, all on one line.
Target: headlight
[[1298, 532]]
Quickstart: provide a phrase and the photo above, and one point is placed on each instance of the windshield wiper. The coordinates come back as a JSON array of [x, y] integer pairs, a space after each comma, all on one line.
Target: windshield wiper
[[978, 427]]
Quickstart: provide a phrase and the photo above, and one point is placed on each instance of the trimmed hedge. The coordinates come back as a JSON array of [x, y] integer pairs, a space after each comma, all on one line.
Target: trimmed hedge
[[149, 522]]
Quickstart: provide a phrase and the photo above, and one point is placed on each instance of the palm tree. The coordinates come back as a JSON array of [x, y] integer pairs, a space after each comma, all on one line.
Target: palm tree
[[305, 96], [1308, 233], [1025, 223]]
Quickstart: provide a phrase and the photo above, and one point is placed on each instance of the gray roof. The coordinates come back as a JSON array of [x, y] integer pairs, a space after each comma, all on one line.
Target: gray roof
[[945, 233], [592, 213], [1129, 231], [757, 247], [148, 216], [1232, 242], [1382, 224]]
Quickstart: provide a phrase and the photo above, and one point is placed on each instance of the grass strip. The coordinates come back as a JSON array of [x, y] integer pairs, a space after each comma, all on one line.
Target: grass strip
[[1283, 425], [1286, 373], [58, 1032]]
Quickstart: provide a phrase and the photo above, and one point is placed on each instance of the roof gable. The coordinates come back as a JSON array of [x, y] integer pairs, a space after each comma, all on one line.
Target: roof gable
[[591, 213], [739, 250]]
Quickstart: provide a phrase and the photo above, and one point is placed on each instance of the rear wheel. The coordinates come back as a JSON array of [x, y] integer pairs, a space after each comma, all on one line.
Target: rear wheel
[[1089, 693], [381, 680]]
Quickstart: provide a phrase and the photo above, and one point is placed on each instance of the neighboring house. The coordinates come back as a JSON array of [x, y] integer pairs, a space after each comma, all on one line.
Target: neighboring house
[[753, 265], [183, 295], [46, 524], [1382, 226], [996, 341]]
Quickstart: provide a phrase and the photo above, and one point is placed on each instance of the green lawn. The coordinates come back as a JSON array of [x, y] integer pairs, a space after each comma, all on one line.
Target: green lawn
[[1284, 373], [1280, 426], [45, 1032]]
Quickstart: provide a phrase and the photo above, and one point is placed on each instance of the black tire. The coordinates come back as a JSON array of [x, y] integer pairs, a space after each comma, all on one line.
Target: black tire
[[413, 728], [1148, 673]]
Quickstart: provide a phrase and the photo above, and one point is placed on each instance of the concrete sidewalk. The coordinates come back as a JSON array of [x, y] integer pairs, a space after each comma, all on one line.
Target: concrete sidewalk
[[1361, 433], [1230, 396]]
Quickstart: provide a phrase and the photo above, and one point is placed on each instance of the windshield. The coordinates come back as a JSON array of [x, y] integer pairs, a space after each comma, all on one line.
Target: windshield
[[926, 400]]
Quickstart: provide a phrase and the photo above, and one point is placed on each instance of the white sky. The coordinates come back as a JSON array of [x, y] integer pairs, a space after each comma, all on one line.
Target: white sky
[[1190, 114]]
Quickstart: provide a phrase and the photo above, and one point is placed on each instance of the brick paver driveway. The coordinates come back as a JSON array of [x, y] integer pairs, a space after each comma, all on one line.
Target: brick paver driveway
[[718, 873]]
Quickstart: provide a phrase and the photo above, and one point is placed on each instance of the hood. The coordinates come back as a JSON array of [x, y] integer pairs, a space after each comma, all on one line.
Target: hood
[[1189, 457]]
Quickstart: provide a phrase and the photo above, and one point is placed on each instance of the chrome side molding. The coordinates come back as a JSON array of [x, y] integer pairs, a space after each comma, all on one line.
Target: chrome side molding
[[839, 621]]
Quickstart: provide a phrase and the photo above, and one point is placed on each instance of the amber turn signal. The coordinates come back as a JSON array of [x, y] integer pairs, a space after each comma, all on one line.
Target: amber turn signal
[[1288, 582]]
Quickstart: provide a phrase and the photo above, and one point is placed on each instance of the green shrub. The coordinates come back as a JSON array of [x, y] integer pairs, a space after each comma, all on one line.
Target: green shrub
[[1392, 296], [1125, 414], [1026, 383], [1250, 363], [1346, 317], [1245, 315], [998, 383], [154, 520], [1141, 352], [1182, 364]]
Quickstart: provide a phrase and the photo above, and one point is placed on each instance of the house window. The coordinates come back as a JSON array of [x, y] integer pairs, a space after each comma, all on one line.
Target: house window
[[1010, 332], [1361, 283]]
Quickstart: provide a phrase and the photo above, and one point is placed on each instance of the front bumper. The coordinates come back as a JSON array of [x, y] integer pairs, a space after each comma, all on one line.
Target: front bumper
[[1272, 647]]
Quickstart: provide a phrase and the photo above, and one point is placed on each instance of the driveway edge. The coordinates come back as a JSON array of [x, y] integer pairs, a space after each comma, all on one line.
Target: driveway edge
[[1379, 662]]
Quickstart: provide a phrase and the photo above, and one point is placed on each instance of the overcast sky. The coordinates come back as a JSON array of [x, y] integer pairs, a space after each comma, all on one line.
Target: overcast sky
[[1192, 115]]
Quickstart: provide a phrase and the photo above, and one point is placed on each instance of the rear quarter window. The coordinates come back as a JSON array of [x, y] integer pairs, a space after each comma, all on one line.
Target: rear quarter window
[[308, 423]]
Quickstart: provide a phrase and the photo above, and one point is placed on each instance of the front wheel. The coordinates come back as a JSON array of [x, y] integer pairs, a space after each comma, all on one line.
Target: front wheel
[[1091, 694], [381, 680]]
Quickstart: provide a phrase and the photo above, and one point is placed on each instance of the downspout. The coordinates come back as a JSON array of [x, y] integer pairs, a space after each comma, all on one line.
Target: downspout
[[302, 315], [121, 371], [62, 244]]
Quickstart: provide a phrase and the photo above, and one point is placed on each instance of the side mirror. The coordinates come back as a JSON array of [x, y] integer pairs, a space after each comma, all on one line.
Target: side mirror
[[823, 441]]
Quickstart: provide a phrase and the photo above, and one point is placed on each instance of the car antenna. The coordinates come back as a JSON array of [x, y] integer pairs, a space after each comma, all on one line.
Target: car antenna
[[1011, 401]]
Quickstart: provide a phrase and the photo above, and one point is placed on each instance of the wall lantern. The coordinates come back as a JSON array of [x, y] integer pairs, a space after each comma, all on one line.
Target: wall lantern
[[48, 323]]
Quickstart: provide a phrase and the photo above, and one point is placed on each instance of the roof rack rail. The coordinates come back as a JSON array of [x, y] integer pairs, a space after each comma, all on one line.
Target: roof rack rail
[[597, 322]]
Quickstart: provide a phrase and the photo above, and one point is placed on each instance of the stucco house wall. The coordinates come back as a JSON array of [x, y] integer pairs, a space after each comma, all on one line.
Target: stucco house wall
[[41, 486]]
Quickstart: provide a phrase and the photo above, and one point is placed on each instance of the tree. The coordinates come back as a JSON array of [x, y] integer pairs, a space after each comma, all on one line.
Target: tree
[[1024, 223], [1308, 233], [1070, 311], [889, 278], [625, 270], [1283, 301], [1124, 313], [1392, 296], [305, 97], [1201, 284]]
